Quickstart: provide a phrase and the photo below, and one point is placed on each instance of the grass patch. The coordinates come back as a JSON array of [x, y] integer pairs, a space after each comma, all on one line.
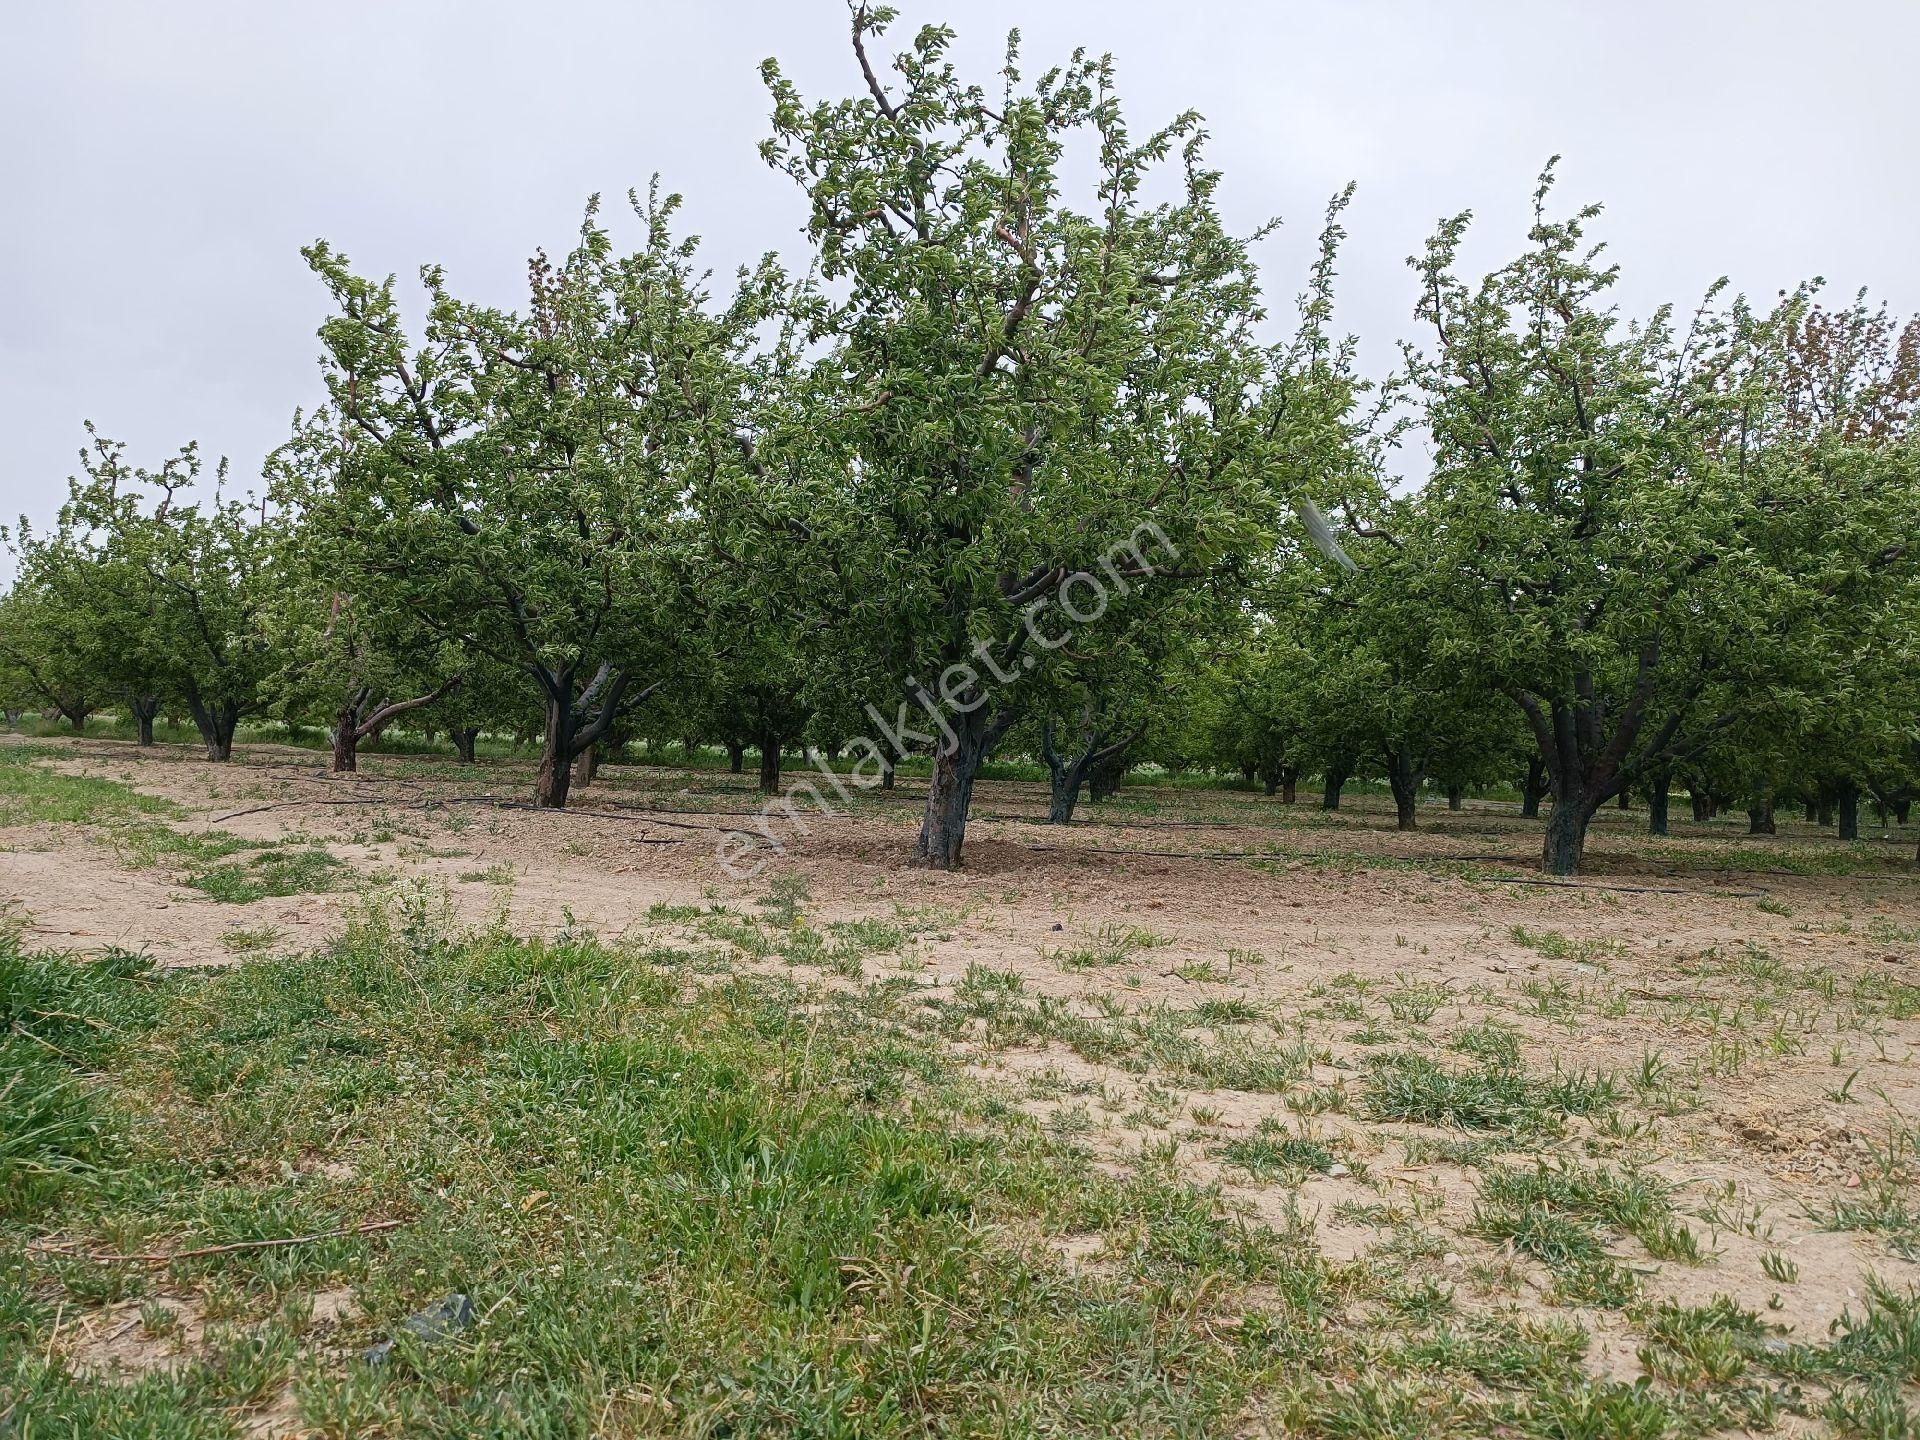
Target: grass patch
[[1496, 1096], [34, 794], [744, 1208], [60, 1017], [1273, 1153], [303, 871]]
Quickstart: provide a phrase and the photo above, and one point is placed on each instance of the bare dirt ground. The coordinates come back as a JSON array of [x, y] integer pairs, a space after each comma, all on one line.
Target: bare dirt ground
[[1758, 1025]]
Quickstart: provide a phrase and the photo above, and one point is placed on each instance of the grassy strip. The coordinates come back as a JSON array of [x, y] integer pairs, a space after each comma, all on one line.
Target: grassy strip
[[748, 1206]]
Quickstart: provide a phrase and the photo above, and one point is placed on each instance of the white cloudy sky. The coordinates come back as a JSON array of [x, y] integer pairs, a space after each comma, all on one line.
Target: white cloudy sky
[[163, 163]]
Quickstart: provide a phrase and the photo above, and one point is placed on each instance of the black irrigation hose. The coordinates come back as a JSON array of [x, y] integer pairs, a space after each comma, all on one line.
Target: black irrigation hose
[[1623, 889], [1478, 879]]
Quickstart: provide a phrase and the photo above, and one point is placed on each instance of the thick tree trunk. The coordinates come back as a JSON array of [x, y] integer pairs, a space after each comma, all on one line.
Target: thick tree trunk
[[1702, 806], [586, 765], [769, 765], [1404, 780], [216, 724], [1901, 809], [554, 778], [1249, 773], [1067, 773], [1063, 793], [13, 719], [346, 740], [1823, 813], [1659, 791], [1289, 784], [466, 740], [1849, 808], [1625, 801], [736, 758], [144, 708], [1533, 788], [1270, 782], [574, 722], [1813, 810], [956, 761], [1566, 839], [1760, 816], [1104, 777], [1339, 769], [77, 719], [1456, 797]]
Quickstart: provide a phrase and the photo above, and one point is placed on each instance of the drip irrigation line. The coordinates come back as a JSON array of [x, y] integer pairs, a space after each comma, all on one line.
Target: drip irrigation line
[[1324, 855], [1623, 889]]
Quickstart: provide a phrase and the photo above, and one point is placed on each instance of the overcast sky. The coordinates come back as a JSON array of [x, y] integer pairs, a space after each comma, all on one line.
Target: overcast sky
[[164, 162]]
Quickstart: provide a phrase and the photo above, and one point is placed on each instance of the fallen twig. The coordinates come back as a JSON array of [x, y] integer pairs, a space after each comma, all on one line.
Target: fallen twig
[[167, 1257]]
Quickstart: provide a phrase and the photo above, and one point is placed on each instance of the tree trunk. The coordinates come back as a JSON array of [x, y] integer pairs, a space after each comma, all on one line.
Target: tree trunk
[[346, 740], [1566, 840], [144, 708], [13, 719], [1104, 777], [1270, 781], [956, 761], [1248, 773], [1659, 790], [1063, 791], [1849, 807], [586, 765], [1405, 783], [1901, 809], [1289, 784], [1456, 797], [1760, 816], [736, 758], [1066, 774], [1533, 788], [216, 724], [1625, 801], [77, 719], [466, 740], [1702, 806], [1339, 769], [1813, 810], [555, 775], [769, 765]]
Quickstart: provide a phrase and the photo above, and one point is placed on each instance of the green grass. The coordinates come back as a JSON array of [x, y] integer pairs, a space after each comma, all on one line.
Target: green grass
[[33, 794], [60, 1017], [762, 1207], [1271, 1152], [753, 1206], [293, 871], [1498, 1095]]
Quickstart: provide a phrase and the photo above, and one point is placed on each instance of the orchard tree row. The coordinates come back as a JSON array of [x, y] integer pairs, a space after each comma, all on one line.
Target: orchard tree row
[[1015, 465]]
